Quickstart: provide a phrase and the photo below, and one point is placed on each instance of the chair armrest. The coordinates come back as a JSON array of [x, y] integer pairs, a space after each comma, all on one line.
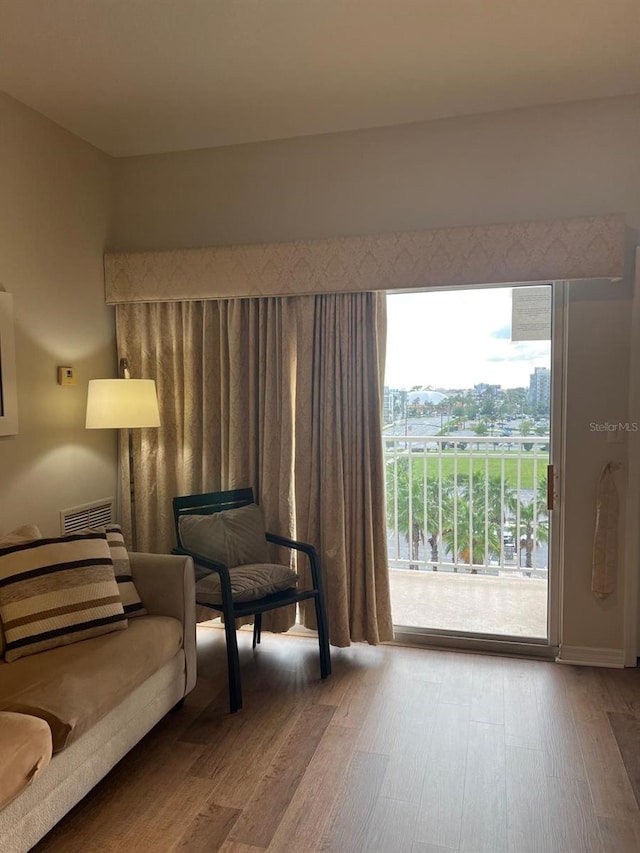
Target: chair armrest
[[309, 550], [166, 584], [290, 543], [212, 566]]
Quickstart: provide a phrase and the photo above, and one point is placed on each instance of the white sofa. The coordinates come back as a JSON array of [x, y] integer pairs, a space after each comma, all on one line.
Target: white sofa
[[101, 724]]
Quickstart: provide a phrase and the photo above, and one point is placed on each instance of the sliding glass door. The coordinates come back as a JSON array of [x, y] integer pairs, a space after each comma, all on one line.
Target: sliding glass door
[[467, 435]]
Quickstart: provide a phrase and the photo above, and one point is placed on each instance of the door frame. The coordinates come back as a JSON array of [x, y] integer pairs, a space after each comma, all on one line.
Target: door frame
[[559, 343]]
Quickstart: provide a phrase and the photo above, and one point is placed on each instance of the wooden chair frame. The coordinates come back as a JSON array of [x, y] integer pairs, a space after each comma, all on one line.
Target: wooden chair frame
[[208, 503]]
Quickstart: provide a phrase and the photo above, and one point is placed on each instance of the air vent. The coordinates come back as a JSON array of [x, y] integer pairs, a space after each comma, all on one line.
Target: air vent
[[95, 514]]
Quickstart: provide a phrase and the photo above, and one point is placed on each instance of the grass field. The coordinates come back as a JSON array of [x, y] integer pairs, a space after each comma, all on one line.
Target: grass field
[[492, 463]]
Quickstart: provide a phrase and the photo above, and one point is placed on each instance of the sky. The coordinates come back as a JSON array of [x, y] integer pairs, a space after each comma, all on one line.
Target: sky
[[457, 339]]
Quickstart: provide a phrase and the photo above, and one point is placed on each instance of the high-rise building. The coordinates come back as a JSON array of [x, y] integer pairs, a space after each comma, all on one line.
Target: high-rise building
[[540, 387]]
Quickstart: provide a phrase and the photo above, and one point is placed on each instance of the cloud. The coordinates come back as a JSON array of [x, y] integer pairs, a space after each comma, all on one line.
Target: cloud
[[522, 352], [502, 332]]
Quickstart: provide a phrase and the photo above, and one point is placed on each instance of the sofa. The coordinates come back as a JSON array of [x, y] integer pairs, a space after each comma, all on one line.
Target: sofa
[[69, 713]]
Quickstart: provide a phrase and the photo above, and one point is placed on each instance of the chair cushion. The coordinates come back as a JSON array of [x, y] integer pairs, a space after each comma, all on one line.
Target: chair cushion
[[57, 591], [248, 583], [234, 537], [25, 749], [26, 533]]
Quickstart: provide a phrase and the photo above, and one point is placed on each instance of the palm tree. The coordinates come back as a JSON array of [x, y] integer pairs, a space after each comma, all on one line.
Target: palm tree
[[411, 519], [476, 509], [410, 512], [534, 524], [433, 496]]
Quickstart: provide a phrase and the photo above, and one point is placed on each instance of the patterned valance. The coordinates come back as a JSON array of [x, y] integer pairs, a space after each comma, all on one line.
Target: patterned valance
[[589, 247]]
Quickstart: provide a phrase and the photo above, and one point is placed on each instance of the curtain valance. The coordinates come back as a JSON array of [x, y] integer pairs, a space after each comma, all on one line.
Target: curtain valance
[[583, 248]]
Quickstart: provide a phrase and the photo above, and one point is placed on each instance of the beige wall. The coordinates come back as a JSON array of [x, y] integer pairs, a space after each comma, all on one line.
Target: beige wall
[[565, 160], [597, 370], [54, 219], [545, 162]]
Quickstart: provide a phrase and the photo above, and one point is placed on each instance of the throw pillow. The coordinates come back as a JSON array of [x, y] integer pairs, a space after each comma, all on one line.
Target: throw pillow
[[26, 533], [122, 569], [57, 591], [235, 537]]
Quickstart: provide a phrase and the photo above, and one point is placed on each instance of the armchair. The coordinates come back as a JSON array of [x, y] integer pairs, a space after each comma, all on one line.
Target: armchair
[[224, 534]]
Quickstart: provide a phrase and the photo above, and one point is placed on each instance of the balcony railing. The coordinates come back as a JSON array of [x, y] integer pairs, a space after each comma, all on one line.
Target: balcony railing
[[467, 503]]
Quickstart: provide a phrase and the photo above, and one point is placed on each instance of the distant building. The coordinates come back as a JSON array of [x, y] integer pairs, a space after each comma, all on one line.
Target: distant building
[[394, 405], [482, 389], [540, 387], [425, 396]]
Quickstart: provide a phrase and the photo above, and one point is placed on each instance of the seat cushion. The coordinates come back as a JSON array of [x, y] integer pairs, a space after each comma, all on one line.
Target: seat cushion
[[248, 583], [25, 750], [234, 537], [73, 686], [57, 591]]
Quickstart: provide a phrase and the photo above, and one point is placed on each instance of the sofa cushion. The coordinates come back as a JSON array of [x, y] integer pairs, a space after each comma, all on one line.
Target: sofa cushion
[[26, 533], [234, 537], [247, 583], [25, 750], [74, 686], [57, 591]]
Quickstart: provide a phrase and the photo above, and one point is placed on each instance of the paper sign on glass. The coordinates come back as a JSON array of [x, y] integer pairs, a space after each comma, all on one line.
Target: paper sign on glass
[[531, 313]]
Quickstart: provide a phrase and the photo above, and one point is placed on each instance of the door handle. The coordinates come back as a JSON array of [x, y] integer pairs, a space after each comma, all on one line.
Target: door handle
[[550, 476]]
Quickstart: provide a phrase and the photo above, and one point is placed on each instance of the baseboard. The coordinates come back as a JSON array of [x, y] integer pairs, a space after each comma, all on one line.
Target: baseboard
[[585, 656]]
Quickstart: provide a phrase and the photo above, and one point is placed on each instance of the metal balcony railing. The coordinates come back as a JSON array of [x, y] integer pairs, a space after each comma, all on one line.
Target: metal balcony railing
[[467, 503]]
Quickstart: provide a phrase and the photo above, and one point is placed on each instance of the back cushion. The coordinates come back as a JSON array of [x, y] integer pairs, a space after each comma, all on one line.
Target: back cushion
[[235, 537]]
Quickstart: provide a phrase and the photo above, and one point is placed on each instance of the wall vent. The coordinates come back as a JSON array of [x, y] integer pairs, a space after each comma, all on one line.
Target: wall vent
[[94, 514]]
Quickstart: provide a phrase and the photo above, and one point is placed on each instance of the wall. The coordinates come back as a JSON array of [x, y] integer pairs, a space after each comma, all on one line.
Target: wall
[[544, 162], [563, 160], [597, 371], [54, 220]]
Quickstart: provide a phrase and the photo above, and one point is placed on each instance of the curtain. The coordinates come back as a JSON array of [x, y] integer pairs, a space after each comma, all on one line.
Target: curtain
[[284, 395], [341, 491]]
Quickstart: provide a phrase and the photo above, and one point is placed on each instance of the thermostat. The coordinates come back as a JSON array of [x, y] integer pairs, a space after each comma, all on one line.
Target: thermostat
[[66, 376]]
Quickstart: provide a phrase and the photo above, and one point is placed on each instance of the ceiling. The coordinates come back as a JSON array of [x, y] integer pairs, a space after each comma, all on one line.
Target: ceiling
[[146, 76]]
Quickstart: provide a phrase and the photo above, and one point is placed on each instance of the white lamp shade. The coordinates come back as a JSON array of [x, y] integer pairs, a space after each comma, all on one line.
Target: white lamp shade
[[122, 404]]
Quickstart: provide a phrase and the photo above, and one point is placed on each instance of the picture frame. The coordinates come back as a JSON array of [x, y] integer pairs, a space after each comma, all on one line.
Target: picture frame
[[8, 384]]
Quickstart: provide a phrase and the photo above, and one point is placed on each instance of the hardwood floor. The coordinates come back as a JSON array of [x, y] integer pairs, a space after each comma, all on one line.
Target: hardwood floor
[[402, 750]]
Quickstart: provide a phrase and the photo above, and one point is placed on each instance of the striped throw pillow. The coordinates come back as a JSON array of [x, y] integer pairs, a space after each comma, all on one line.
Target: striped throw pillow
[[122, 568], [57, 591], [26, 533]]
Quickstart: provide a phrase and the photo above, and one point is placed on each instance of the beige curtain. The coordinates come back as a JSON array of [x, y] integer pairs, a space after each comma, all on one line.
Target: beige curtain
[[340, 492], [247, 390]]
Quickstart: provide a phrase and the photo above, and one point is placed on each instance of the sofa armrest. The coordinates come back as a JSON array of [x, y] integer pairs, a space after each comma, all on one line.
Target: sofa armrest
[[166, 584]]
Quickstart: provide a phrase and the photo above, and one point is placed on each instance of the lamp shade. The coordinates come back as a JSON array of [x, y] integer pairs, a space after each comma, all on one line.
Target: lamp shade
[[122, 404]]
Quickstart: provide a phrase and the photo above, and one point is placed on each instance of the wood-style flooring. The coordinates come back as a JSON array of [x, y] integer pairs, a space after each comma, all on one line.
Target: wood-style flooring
[[401, 750]]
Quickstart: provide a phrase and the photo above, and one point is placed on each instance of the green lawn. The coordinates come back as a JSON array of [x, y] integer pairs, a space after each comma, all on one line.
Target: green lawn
[[493, 463]]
